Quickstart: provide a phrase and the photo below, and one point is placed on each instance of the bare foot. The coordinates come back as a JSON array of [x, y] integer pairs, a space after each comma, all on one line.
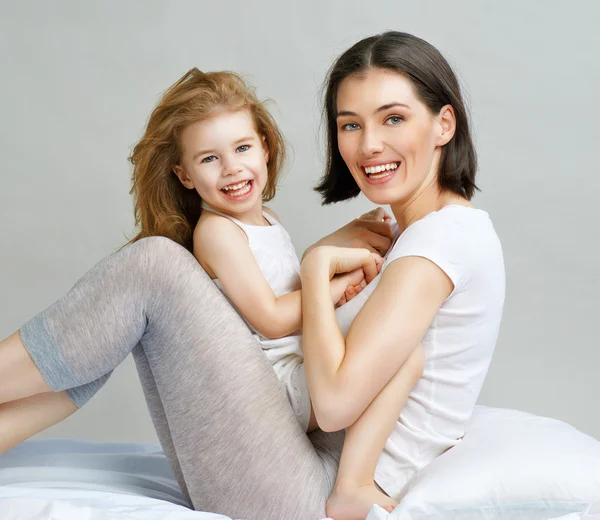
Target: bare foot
[[355, 503]]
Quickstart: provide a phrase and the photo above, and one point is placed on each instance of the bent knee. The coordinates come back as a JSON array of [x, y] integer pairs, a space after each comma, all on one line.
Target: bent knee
[[161, 247], [165, 264], [162, 254]]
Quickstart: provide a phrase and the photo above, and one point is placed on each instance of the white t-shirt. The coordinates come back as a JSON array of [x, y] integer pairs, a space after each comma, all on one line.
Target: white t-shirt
[[458, 344]]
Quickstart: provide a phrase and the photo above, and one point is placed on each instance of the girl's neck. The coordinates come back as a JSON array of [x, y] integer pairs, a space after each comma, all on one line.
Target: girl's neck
[[252, 217]]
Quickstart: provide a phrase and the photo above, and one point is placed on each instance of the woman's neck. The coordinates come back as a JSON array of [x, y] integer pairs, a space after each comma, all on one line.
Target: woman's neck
[[429, 198]]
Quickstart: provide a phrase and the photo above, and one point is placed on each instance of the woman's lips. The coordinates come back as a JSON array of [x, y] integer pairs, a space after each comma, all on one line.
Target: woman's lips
[[380, 173]]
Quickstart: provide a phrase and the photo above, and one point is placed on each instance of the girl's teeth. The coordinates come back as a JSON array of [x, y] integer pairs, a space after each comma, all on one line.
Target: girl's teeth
[[236, 186], [238, 190]]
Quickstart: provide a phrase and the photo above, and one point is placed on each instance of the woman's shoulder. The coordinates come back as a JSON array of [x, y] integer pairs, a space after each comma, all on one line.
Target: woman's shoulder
[[459, 239], [451, 223]]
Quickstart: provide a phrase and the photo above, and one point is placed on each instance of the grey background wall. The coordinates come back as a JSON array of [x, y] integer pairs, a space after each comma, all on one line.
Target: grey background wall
[[79, 80]]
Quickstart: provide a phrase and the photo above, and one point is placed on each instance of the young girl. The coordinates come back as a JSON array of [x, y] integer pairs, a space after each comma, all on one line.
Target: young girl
[[230, 159]]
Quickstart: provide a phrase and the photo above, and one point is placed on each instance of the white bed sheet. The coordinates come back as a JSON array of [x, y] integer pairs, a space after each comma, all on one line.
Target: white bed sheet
[[43, 503], [83, 480], [591, 513]]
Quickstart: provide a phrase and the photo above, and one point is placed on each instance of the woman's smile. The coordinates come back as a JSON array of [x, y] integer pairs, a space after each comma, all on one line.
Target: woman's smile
[[380, 173]]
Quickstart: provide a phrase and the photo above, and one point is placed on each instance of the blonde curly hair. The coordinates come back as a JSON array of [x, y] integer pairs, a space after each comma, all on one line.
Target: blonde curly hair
[[163, 206]]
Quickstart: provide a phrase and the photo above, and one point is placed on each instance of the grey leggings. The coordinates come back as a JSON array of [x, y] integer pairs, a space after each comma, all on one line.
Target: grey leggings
[[221, 416]]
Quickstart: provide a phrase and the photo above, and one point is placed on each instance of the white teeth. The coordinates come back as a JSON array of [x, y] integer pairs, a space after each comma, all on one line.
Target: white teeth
[[380, 168], [237, 190], [234, 187]]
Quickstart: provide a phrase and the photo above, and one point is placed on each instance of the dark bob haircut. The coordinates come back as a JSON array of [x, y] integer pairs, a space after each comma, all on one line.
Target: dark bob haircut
[[435, 84]]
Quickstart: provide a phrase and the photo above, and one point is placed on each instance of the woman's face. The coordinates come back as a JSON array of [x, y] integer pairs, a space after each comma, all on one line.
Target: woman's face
[[388, 138]]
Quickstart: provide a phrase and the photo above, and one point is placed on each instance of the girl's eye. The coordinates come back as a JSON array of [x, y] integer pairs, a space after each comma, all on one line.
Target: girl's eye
[[208, 159], [243, 148], [394, 120], [350, 127]]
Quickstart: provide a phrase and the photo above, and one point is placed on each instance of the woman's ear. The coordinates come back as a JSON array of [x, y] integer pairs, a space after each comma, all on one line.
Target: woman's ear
[[447, 125], [183, 177]]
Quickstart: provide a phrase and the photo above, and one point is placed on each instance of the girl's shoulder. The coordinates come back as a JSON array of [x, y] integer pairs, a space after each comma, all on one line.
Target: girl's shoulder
[[211, 227], [270, 212], [215, 236]]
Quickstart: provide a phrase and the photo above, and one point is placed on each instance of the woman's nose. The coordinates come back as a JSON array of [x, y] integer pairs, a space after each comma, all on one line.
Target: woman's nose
[[371, 144]]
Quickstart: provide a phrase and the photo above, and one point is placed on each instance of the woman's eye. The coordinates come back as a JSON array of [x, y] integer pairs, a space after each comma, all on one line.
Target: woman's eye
[[208, 159], [350, 127], [243, 148], [394, 120]]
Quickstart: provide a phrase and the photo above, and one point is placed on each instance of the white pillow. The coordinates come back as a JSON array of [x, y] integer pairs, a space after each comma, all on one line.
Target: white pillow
[[510, 465]]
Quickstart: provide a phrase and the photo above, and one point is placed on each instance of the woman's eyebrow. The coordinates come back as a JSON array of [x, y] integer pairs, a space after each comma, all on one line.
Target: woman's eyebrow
[[393, 104], [382, 108]]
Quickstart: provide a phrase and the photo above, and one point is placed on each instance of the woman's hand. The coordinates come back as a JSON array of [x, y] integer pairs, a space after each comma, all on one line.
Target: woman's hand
[[350, 269], [372, 231]]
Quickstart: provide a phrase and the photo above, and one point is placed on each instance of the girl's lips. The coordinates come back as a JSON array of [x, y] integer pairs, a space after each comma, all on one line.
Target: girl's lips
[[238, 198]]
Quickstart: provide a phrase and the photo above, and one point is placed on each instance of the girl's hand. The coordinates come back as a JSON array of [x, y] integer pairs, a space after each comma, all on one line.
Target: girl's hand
[[344, 287]]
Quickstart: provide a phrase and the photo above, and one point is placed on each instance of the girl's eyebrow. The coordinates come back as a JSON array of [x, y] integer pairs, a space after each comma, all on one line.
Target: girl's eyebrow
[[202, 152], [199, 153], [382, 108], [249, 138]]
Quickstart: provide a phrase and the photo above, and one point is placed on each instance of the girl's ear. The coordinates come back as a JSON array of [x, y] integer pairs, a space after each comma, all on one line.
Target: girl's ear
[[183, 177], [265, 148]]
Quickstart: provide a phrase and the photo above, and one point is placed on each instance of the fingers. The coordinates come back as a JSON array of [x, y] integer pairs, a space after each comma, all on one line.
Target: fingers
[[356, 282], [354, 290], [378, 262], [346, 260], [377, 214], [371, 265], [364, 245], [379, 226], [350, 260], [376, 243], [355, 277]]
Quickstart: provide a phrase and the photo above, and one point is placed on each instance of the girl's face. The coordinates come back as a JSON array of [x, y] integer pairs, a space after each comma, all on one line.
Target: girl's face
[[388, 138], [225, 160]]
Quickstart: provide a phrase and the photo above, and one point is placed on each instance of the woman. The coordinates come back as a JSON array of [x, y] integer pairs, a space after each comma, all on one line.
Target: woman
[[397, 132]]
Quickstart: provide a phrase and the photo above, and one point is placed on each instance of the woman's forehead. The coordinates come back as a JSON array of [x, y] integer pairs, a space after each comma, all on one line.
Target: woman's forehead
[[374, 88]]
